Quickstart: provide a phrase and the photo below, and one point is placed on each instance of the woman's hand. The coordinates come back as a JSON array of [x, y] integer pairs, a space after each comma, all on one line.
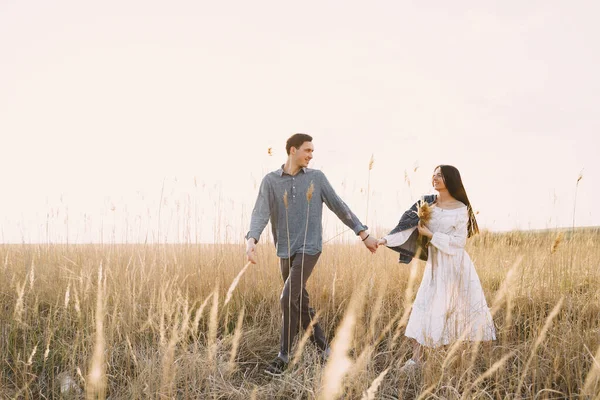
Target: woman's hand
[[423, 230], [381, 242]]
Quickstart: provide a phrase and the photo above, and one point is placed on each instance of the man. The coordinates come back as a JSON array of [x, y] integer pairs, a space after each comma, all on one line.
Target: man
[[292, 198]]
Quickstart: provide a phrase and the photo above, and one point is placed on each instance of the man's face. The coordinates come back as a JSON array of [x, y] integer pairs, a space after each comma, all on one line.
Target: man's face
[[303, 155]]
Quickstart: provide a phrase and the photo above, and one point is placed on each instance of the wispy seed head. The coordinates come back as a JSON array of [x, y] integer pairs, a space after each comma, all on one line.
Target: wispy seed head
[[424, 211], [310, 191], [556, 243], [371, 162]]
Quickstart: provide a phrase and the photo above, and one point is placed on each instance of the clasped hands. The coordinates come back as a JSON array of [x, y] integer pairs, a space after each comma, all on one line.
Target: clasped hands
[[369, 241], [423, 231]]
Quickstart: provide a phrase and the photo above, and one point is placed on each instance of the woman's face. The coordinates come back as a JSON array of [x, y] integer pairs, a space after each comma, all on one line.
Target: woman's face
[[437, 180]]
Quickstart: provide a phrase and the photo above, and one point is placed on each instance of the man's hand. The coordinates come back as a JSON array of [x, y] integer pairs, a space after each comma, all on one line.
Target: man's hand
[[381, 242], [371, 244], [251, 250]]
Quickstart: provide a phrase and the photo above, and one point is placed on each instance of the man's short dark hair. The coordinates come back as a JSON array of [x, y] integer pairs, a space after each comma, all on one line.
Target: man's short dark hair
[[296, 140]]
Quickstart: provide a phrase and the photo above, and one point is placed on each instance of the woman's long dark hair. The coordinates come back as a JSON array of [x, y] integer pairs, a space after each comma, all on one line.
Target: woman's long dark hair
[[455, 187]]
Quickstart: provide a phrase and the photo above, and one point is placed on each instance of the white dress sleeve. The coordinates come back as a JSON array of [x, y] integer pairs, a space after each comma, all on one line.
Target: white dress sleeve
[[398, 238], [453, 243]]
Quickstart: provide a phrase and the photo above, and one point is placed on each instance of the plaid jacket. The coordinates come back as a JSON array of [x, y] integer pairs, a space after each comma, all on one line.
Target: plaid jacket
[[415, 245]]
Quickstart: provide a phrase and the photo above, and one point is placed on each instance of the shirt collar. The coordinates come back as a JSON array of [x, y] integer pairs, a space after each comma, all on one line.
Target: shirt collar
[[280, 171]]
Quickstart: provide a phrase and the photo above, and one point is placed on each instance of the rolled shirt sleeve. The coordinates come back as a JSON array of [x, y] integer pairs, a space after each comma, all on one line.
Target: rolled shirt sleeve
[[339, 208], [453, 243]]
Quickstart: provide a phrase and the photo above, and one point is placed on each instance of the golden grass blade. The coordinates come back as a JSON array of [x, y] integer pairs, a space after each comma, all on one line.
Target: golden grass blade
[[235, 283], [300, 346], [361, 363], [507, 286], [168, 369], [96, 382], [408, 300], [376, 310], [212, 327], [593, 376], [491, 370], [539, 340], [199, 312], [19, 306], [339, 363], [557, 241], [372, 390], [237, 337]]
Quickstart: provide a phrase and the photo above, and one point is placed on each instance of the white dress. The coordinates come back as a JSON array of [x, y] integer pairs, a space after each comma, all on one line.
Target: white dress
[[450, 304]]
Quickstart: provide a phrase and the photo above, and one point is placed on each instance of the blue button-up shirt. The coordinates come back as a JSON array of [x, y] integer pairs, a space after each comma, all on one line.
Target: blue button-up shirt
[[301, 221]]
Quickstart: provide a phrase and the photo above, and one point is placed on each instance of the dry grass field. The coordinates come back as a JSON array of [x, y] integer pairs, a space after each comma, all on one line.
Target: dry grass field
[[134, 321]]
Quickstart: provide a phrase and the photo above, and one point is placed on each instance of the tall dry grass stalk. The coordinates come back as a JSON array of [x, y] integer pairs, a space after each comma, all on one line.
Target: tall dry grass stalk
[[408, 300], [168, 369], [573, 224], [339, 363], [376, 311], [212, 327], [507, 287], [302, 343], [371, 162], [235, 283], [593, 377], [489, 372], [237, 337], [96, 381], [557, 242], [539, 341], [372, 390], [289, 258], [199, 313], [19, 306], [309, 195]]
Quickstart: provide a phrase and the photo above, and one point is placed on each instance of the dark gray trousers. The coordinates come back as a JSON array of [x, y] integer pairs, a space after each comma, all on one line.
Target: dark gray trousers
[[294, 297]]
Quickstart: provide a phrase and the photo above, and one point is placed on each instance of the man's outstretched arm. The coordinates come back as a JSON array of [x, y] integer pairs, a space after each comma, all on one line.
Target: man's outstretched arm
[[260, 217], [343, 212]]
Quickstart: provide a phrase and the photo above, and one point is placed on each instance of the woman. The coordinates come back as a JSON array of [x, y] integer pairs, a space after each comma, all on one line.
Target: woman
[[450, 304]]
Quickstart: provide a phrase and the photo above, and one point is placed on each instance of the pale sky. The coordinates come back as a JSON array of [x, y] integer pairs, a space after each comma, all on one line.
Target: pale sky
[[106, 105]]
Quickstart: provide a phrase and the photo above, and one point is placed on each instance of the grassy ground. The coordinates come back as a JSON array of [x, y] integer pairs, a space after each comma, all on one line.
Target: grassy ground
[[135, 321]]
